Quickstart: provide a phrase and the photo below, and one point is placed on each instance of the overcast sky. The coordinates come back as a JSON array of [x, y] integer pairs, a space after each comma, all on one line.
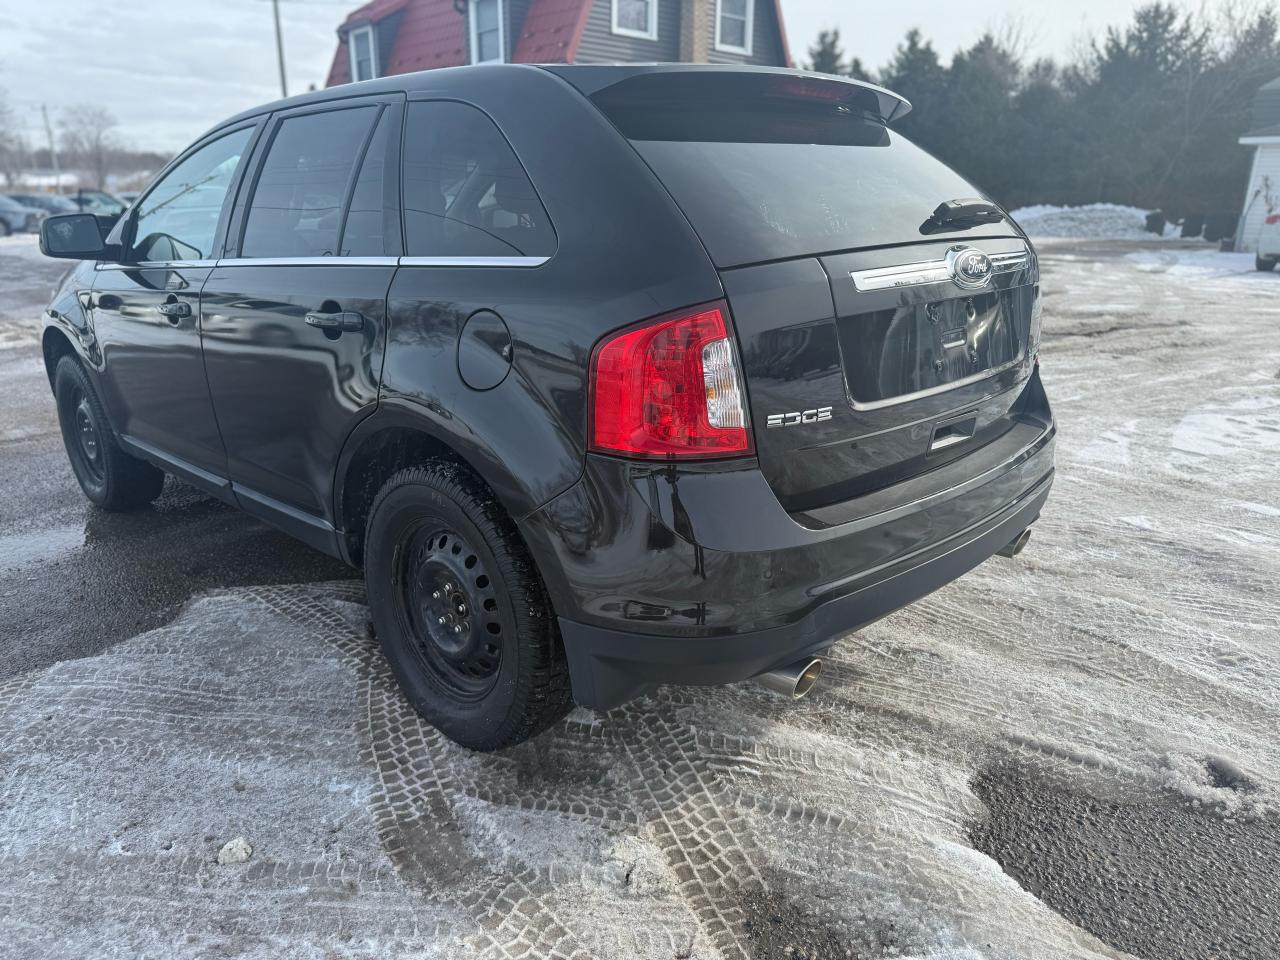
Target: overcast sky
[[170, 69]]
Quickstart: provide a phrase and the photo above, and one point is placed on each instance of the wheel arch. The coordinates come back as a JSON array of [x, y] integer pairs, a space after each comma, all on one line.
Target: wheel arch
[[399, 434], [54, 345]]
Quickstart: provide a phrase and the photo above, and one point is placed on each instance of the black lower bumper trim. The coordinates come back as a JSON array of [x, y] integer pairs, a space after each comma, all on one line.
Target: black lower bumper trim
[[609, 667]]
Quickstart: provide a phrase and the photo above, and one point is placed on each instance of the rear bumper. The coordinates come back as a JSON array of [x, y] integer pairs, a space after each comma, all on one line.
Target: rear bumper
[[698, 576], [609, 667]]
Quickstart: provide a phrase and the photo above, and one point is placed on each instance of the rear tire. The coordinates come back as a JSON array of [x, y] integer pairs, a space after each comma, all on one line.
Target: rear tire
[[108, 476], [1265, 264], [460, 611], [4, 229]]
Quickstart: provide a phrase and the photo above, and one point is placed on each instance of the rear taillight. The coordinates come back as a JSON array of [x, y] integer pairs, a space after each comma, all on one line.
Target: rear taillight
[[670, 390]]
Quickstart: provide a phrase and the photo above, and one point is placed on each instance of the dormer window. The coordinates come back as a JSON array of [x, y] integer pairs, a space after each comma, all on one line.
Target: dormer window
[[636, 18], [363, 46], [488, 39]]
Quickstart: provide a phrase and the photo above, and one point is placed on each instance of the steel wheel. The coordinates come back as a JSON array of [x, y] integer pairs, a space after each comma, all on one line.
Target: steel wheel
[[447, 601]]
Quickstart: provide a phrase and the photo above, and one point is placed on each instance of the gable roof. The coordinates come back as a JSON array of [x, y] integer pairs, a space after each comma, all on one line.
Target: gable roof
[[551, 31], [432, 33]]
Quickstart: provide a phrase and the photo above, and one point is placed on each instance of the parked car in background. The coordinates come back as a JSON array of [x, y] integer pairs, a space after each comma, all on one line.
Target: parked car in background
[[18, 218], [98, 202], [608, 377], [1269, 243], [128, 196], [50, 203]]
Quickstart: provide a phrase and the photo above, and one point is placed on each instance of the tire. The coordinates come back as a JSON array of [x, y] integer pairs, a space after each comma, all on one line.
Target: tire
[[108, 476], [1264, 264], [460, 611], [4, 229]]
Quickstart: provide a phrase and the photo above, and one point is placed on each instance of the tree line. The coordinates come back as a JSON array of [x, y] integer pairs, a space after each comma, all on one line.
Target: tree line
[[86, 142], [1148, 114]]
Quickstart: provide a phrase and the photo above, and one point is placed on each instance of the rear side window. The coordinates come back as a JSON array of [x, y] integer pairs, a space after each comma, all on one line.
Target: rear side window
[[770, 166], [465, 193], [297, 205]]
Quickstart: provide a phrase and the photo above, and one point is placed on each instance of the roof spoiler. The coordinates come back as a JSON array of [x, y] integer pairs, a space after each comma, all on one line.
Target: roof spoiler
[[590, 80]]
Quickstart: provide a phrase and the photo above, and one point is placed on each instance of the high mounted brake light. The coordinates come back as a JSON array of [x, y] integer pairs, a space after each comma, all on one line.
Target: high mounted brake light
[[670, 390]]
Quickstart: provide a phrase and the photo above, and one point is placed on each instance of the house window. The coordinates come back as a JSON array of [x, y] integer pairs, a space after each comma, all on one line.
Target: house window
[[733, 26], [487, 35], [364, 53], [636, 18]]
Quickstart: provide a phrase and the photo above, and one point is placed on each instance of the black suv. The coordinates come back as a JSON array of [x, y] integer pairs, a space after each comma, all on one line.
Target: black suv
[[607, 376]]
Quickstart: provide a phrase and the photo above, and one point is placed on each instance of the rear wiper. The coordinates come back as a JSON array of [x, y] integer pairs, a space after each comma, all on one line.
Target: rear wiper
[[961, 215]]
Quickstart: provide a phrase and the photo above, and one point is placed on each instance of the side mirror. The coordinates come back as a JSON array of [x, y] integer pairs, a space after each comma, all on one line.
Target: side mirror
[[72, 236]]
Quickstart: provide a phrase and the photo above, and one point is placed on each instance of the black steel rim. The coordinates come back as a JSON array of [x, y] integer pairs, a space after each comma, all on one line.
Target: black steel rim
[[88, 437], [449, 606]]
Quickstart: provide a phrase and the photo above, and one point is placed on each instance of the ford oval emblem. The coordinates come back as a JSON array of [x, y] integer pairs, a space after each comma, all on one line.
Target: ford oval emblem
[[969, 267]]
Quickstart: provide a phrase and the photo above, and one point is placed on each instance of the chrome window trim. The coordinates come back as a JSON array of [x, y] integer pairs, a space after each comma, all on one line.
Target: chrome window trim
[[158, 265], [308, 262], [473, 261], [928, 271], [522, 262]]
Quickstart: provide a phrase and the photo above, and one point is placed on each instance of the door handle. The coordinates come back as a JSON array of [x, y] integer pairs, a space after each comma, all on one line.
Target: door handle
[[174, 310], [345, 321]]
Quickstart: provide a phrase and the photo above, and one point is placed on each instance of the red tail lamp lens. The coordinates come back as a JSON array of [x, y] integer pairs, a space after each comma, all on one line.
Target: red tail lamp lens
[[669, 390]]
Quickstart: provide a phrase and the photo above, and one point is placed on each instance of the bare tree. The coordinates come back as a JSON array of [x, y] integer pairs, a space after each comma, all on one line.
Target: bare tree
[[10, 141], [89, 139]]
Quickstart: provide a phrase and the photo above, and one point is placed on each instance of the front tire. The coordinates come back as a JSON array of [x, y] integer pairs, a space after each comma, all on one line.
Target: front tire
[[108, 476], [1264, 264], [460, 611]]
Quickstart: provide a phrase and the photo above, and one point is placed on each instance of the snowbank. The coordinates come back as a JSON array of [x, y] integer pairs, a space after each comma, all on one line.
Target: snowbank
[[1097, 221]]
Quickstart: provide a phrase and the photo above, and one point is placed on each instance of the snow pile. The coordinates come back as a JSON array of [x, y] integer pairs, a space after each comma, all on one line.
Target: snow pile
[[1097, 221], [25, 245]]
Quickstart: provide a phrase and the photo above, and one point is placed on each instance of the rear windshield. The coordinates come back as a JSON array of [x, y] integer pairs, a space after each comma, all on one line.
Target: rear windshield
[[770, 166]]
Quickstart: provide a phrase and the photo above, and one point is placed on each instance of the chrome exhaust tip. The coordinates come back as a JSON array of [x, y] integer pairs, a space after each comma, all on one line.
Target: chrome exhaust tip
[[1014, 546], [794, 680]]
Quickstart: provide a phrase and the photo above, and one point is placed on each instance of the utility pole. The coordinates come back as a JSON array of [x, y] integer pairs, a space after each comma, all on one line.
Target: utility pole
[[275, 9], [53, 152]]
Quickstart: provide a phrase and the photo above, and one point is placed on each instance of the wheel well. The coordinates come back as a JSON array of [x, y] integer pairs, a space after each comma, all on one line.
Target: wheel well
[[376, 460], [55, 346]]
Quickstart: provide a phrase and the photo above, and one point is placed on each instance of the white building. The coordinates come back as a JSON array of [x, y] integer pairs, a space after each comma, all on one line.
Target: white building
[[1262, 198]]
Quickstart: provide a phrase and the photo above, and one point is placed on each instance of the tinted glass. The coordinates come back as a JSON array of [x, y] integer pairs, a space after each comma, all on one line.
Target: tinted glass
[[772, 166], [465, 193], [370, 218], [178, 218], [297, 204]]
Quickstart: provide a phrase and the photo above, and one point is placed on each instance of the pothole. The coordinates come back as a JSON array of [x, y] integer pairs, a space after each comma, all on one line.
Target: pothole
[[1154, 875]]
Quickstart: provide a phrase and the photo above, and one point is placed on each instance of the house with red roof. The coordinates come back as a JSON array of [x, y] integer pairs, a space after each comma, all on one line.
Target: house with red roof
[[386, 37]]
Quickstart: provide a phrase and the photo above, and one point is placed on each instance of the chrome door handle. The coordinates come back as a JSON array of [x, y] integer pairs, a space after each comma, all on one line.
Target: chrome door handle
[[345, 321], [175, 309]]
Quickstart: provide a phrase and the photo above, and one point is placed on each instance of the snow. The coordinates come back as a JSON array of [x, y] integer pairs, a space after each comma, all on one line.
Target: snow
[[1096, 221], [1130, 650]]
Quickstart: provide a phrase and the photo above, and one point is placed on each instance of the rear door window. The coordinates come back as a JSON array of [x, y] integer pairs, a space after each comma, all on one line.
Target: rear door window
[[302, 187], [465, 193], [373, 217], [770, 166]]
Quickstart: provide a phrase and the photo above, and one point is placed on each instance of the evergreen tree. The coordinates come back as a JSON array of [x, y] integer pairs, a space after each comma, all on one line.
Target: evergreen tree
[[826, 56], [916, 73], [1149, 115], [858, 72]]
